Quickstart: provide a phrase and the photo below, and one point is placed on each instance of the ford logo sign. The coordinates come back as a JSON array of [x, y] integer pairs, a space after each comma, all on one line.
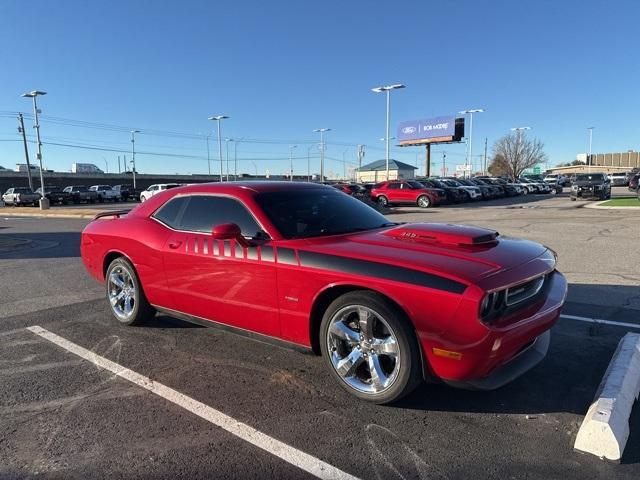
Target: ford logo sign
[[409, 130]]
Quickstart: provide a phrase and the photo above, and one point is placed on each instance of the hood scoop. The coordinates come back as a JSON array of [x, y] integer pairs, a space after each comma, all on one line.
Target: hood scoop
[[444, 234]]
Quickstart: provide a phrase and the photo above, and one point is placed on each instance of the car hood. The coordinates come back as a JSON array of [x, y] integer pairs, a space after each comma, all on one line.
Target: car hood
[[461, 252]]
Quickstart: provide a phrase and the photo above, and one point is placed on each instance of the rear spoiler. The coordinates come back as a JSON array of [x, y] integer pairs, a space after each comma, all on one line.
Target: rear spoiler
[[112, 213]]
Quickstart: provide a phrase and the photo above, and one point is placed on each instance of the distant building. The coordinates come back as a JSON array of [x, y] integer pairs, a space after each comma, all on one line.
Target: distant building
[[22, 167], [377, 171], [85, 168], [628, 159]]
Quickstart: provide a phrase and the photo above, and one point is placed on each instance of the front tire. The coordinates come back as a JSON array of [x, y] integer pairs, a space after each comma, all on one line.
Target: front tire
[[370, 347], [424, 201], [126, 298]]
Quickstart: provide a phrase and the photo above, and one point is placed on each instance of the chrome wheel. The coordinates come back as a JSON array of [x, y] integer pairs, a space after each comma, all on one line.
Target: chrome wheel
[[363, 349], [122, 292], [382, 201], [424, 202]]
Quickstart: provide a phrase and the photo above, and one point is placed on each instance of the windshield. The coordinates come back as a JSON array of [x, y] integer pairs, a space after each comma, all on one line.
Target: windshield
[[313, 213], [81, 189], [589, 177]]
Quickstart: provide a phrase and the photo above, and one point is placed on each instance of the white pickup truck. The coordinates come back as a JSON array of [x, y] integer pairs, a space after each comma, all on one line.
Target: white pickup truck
[[105, 193], [20, 196]]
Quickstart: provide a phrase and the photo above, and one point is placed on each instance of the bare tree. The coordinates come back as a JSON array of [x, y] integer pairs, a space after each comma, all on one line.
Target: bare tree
[[498, 166], [514, 153]]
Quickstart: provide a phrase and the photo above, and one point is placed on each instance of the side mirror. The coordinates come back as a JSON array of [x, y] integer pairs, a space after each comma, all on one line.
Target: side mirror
[[228, 231]]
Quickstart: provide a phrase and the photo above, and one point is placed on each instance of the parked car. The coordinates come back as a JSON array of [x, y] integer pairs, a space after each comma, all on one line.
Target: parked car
[[105, 193], [19, 196], [633, 182], [385, 304], [127, 192], [55, 195], [511, 188], [591, 185], [555, 178], [473, 191], [454, 194], [620, 179], [541, 186], [486, 191], [80, 193], [407, 192], [157, 188]]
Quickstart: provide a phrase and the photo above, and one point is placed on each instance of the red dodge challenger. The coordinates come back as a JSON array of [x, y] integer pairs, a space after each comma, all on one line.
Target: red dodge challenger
[[387, 305]]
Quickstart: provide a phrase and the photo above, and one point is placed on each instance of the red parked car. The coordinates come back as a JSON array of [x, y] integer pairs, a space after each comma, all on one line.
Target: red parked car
[[386, 304], [407, 192]]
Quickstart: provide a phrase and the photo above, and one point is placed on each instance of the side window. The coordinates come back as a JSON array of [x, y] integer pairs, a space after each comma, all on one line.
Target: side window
[[205, 212], [170, 212], [393, 186], [153, 187]]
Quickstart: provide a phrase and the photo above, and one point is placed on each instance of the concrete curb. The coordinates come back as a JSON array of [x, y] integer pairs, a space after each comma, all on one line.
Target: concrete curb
[[46, 215], [605, 429]]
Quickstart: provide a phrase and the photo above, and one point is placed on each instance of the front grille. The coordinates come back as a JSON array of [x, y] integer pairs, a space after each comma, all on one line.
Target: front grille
[[524, 291]]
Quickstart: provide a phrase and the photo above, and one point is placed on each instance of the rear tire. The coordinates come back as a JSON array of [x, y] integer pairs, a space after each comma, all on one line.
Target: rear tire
[[382, 201], [125, 295], [373, 335]]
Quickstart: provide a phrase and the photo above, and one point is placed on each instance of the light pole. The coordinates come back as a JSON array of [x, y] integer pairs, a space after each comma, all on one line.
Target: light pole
[[388, 89], [133, 154], [519, 130], [226, 143], [208, 156], [291, 147], [321, 131], [255, 166], [235, 157], [590, 141], [44, 201], [470, 112], [218, 118]]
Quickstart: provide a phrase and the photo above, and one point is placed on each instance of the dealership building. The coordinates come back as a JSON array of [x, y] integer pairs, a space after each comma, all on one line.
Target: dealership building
[[603, 162], [377, 171]]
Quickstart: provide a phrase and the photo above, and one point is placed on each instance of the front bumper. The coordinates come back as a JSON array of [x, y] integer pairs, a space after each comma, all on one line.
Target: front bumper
[[509, 346], [520, 364]]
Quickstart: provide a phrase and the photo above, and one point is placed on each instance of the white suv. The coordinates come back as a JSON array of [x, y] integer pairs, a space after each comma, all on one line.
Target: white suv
[[157, 188]]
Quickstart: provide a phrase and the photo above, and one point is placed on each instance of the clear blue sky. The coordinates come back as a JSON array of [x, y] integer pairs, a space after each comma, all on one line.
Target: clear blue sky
[[280, 69]]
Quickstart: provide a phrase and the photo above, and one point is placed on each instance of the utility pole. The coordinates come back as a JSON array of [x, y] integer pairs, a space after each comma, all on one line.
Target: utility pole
[[470, 112], [133, 154], [360, 158], [226, 144], [208, 156], [119, 171], [291, 147], [26, 150], [484, 168], [427, 164], [589, 161], [44, 201]]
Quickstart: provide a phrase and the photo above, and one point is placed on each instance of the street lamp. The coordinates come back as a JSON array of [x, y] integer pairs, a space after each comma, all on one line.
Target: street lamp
[[590, 141], [321, 131], [44, 202], [218, 118], [226, 143], [388, 89], [235, 156], [471, 112], [291, 147], [133, 154]]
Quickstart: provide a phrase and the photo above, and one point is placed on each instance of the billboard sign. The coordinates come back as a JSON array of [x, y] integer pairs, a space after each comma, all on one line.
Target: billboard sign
[[427, 130]]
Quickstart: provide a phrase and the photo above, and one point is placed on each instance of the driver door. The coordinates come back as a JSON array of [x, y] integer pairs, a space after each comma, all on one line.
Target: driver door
[[219, 280]]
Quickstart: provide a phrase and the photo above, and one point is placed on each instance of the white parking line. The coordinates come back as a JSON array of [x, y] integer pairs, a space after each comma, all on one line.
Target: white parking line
[[291, 455], [598, 320]]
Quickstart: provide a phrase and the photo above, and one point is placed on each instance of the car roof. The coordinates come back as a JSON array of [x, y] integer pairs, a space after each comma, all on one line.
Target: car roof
[[251, 186]]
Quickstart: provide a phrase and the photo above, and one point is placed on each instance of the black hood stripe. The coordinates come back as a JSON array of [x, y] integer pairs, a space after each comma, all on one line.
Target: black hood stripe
[[379, 270]]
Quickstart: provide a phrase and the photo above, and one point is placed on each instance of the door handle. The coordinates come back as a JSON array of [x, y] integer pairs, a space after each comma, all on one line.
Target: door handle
[[175, 244]]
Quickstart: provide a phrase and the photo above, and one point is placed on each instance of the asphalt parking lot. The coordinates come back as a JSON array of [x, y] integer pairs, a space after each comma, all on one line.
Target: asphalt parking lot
[[64, 417]]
